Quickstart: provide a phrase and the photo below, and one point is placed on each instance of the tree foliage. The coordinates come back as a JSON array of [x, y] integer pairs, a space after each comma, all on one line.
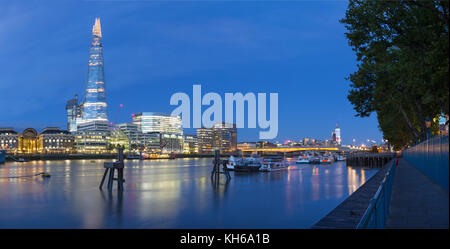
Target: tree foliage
[[402, 53]]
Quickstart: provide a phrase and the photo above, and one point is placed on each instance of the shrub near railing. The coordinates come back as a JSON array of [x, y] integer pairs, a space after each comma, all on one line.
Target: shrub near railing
[[378, 211], [431, 157]]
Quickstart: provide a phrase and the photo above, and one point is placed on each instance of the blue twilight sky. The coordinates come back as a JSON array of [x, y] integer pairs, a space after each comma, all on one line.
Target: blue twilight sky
[[153, 49]]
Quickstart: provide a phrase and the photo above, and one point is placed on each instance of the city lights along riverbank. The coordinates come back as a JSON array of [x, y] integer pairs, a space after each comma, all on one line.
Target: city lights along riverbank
[[171, 194]]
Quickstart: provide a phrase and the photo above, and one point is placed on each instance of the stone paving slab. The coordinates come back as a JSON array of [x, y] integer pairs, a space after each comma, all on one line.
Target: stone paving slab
[[417, 202]]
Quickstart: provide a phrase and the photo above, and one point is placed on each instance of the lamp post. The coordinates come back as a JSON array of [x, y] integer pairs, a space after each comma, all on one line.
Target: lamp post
[[428, 125]]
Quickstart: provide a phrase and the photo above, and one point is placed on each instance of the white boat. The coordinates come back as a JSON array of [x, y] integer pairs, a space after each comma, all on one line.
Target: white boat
[[273, 163], [231, 163], [302, 159], [326, 159], [340, 157]]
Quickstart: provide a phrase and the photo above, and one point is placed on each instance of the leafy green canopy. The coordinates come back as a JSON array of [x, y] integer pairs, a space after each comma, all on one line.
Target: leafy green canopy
[[402, 52]]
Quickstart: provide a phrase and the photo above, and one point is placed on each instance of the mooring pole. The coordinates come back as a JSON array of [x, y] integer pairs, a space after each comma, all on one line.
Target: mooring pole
[[110, 168]]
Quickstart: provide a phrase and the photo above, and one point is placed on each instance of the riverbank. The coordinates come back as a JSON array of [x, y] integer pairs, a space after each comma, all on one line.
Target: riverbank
[[349, 213], [36, 157]]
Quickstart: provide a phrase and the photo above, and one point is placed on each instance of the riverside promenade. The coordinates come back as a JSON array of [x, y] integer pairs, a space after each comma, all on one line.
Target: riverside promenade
[[417, 201]]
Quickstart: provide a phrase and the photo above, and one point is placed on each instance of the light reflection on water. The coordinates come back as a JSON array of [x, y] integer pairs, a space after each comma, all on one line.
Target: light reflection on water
[[171, 194]]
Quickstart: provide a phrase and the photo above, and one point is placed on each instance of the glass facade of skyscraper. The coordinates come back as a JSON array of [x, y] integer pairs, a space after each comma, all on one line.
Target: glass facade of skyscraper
[[94, 104], [158, 122]]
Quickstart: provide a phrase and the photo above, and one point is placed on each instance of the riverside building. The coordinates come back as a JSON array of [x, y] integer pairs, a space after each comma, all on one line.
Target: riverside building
[[54, 140], [222, 136], [190, 144], [9, 140], [168, 127], [73, 114], [92, 132], [94, 107]]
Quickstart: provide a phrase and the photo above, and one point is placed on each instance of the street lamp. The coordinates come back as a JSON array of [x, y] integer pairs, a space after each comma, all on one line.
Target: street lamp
[[428, 125]]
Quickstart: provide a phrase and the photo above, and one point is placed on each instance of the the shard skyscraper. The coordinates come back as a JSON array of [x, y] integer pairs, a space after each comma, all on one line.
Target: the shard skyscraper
[[94, 107]]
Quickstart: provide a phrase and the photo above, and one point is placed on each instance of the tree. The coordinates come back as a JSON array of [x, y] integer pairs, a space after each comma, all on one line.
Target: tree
[[402, 53]]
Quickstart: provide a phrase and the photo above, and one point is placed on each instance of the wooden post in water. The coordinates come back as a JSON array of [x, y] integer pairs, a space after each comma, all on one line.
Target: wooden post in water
[[111, 167], [215, 174]]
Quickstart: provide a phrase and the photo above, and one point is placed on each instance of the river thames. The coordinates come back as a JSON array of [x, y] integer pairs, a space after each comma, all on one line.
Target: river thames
[[171, 194]]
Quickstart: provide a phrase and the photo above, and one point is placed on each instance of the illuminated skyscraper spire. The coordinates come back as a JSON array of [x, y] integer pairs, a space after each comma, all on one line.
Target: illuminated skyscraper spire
[[97, 29], [94, 104]]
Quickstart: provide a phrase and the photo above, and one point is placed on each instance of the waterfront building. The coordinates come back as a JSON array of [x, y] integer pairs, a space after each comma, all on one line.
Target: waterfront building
[[54, 140], [92, 137], [190, 144], [158, 122], [73, 113], [9, 140], [94, 107], [132, 133], [139, 141], [168, 127], [265, 144], [205, 140], [171, 143], [117, 138], [225, 137], [246, 145], [222, 136], [28, 141]]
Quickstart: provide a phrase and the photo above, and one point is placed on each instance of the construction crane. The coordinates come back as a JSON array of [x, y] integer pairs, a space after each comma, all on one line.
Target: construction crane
[[117, 116]]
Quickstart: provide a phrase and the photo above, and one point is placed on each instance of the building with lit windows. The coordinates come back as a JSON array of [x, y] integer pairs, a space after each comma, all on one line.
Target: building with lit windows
[[222, 136], [54, 140], [168, 127], [28, 141], [205, 140], [190, 144], [158, 122], [225, 137], [9, 140], [246, 145], [94, 107], [92, 137], [73, 113], [117, 138]]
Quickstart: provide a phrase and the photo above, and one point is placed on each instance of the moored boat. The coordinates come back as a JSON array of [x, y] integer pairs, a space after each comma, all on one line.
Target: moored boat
[[2, 156], [231, 163], [269, 164], [327, 159], [303, 159], [249, 164]]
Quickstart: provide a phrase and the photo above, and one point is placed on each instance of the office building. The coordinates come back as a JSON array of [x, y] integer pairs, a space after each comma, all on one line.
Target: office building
[[94, 107], [73, 113], [9, 140], [158, 122], [190, 144], [222, 136], [92, 137], [54, 140]]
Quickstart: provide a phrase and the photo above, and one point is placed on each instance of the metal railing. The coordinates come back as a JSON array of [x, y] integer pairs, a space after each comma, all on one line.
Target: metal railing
[[378, 211], [431, 157]]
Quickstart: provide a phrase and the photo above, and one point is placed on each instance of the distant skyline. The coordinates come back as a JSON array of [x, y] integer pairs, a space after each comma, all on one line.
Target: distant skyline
[[153, 49]]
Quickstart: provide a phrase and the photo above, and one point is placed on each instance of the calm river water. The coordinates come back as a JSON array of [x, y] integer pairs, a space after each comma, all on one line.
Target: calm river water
[[171, 194]]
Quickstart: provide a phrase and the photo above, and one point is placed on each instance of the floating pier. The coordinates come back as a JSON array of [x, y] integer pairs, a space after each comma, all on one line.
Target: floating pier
[[371, 160]]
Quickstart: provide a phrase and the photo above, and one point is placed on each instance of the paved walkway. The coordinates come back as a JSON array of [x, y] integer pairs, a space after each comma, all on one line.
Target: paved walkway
[[417, 202]]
